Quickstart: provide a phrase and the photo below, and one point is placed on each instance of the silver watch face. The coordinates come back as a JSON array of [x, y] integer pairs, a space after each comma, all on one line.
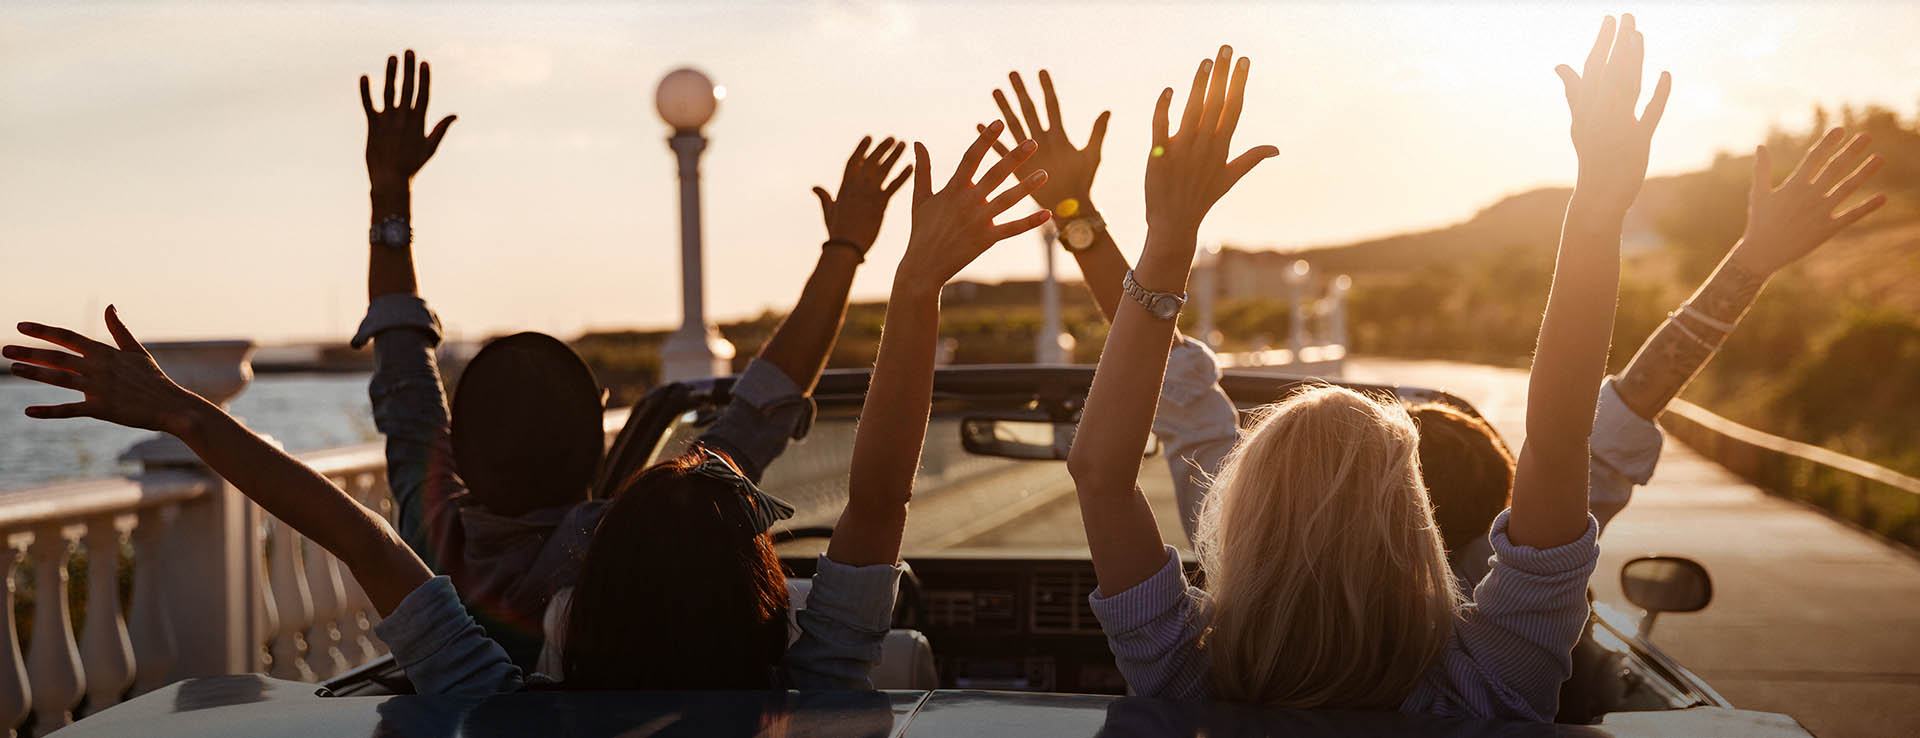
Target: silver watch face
[[393, 233], [1077, 235], [1165, 307]]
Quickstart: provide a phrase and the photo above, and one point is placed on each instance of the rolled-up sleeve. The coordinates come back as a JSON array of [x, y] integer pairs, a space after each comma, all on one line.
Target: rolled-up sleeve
[[1518, 633], [442, 649], [410, 409], [767, 411], [1625, 448], [843, 625], [1153, 629], [1197, 425]]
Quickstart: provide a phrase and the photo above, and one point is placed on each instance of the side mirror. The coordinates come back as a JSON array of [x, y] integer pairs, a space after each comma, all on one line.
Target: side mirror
[[1660, 584], [1032, 440]]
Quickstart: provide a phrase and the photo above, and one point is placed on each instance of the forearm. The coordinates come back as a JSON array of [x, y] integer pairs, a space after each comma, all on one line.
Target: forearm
[[306, 501], [1102, 266], [1121, 532], [1549, 500], [800, 346], [887, 445], [1683, 344], [389, 269]]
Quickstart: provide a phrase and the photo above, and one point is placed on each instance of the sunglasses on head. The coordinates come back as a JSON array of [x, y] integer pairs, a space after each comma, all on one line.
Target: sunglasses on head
[[761, 509]]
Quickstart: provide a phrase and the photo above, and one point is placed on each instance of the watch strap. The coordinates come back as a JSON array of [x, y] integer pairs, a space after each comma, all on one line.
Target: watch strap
[[1150, 299]]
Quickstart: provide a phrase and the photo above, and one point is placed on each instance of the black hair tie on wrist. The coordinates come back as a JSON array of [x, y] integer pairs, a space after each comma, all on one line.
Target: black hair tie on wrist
[[858, 253]]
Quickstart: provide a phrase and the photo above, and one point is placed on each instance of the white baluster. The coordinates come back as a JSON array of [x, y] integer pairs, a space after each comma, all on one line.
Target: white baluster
[[16, 697], [266, 612], [323, 637], [153, 637], [105, 649], [295, 606], [356, 625], [53, 661]]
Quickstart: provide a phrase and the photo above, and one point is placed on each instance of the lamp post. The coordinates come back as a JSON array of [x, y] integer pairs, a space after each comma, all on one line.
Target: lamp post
[[1054, 345], [686, 100]]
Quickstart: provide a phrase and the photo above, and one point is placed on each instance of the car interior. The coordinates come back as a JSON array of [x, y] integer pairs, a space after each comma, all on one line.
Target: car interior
[[997, 572]]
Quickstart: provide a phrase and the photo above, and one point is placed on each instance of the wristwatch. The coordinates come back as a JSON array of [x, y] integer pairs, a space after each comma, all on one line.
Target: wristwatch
[[1162, 305], [1078, 233], [392, 232]]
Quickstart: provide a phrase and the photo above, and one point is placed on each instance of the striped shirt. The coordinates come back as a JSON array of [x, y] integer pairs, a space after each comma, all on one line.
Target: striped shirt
[[1511, 645]]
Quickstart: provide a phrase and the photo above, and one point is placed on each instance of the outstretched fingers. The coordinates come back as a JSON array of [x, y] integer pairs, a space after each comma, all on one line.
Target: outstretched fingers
[[406, 84], [1031, 115], [1843, 163], [998, 148], [1009, 198], [1216, 102], [1245, 163], [1002, 169], [62, 337], [1762, 170], [1854, 214], [970, 162], [900, 180], [52, 412], [1817, 155], [1006, 112], [1099, 134], [1052, 100], [121, 335], [44, 357], [1571, 80], [1004, 231], [1596, 59], [1160, 108], [1236, 98], [393, 65], [1657, 105], [1847, 187], [1196, 97], [426, 87], [853, 160], [366, 97], [922, 181], [45, 375], [894, 149]]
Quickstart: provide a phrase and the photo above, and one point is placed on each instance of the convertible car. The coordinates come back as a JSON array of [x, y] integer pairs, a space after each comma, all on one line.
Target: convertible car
[[993, 634]]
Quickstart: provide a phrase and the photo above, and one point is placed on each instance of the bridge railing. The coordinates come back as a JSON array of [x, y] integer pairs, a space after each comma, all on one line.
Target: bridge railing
[[1866, 495], [218, 586]]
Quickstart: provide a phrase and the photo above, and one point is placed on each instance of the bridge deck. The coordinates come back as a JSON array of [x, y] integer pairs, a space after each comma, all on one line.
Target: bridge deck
[[1810, 618]]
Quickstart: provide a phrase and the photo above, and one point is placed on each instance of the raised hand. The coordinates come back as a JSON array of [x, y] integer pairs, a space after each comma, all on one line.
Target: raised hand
[[1187, 172], [397, 141], [1611, 142], [1069, 170], [954, 226], [121, 384], [1787, 222], [853, 216]]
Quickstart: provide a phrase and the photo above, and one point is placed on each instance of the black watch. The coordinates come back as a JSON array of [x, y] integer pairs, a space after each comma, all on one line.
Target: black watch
[[392, 232]]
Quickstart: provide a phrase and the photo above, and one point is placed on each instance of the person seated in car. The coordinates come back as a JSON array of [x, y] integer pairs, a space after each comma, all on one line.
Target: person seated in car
[[1467, 468], [496, 494], [1327, 584], [679, 587]]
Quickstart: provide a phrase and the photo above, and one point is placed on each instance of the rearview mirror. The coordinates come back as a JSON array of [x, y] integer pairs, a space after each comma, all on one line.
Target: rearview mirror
[[1033, 440], [1660, 584]]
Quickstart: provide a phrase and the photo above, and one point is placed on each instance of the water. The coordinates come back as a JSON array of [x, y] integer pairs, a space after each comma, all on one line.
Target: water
[[302, 411]]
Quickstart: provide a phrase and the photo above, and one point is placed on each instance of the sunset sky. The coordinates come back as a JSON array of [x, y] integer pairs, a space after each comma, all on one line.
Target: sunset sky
[[200, 164]]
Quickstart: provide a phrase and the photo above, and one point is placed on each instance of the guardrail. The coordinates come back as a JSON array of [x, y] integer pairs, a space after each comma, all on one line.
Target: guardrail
[[1866, 495], [219, 587]]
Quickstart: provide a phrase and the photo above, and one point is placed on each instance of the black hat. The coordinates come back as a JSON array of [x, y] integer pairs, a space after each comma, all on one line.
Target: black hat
[[527, 428]]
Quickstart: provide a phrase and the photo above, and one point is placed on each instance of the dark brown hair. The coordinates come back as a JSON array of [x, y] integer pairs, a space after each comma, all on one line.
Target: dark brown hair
[[527, 430], [678, 590], [1467, 468]]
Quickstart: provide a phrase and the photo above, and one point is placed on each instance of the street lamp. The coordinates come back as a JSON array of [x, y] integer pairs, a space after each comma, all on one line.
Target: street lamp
[[1053, 345], [686, 100]]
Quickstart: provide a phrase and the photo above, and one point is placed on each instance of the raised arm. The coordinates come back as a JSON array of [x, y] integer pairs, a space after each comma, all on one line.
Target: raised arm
[[799, 347], [397, 147], [951, 228], [409, 404], [1186, 174], [1784, 224], [122, 384], [1550, 485], [1068, 192]]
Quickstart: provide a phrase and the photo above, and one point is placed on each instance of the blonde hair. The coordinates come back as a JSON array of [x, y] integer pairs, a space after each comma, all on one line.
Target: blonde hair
[[1329, 581]]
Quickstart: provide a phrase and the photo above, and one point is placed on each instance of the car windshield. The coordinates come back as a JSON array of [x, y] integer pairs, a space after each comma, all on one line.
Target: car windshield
[[963, 503]]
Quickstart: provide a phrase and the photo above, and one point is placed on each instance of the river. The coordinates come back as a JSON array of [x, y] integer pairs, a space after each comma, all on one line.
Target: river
[[302, 411]]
